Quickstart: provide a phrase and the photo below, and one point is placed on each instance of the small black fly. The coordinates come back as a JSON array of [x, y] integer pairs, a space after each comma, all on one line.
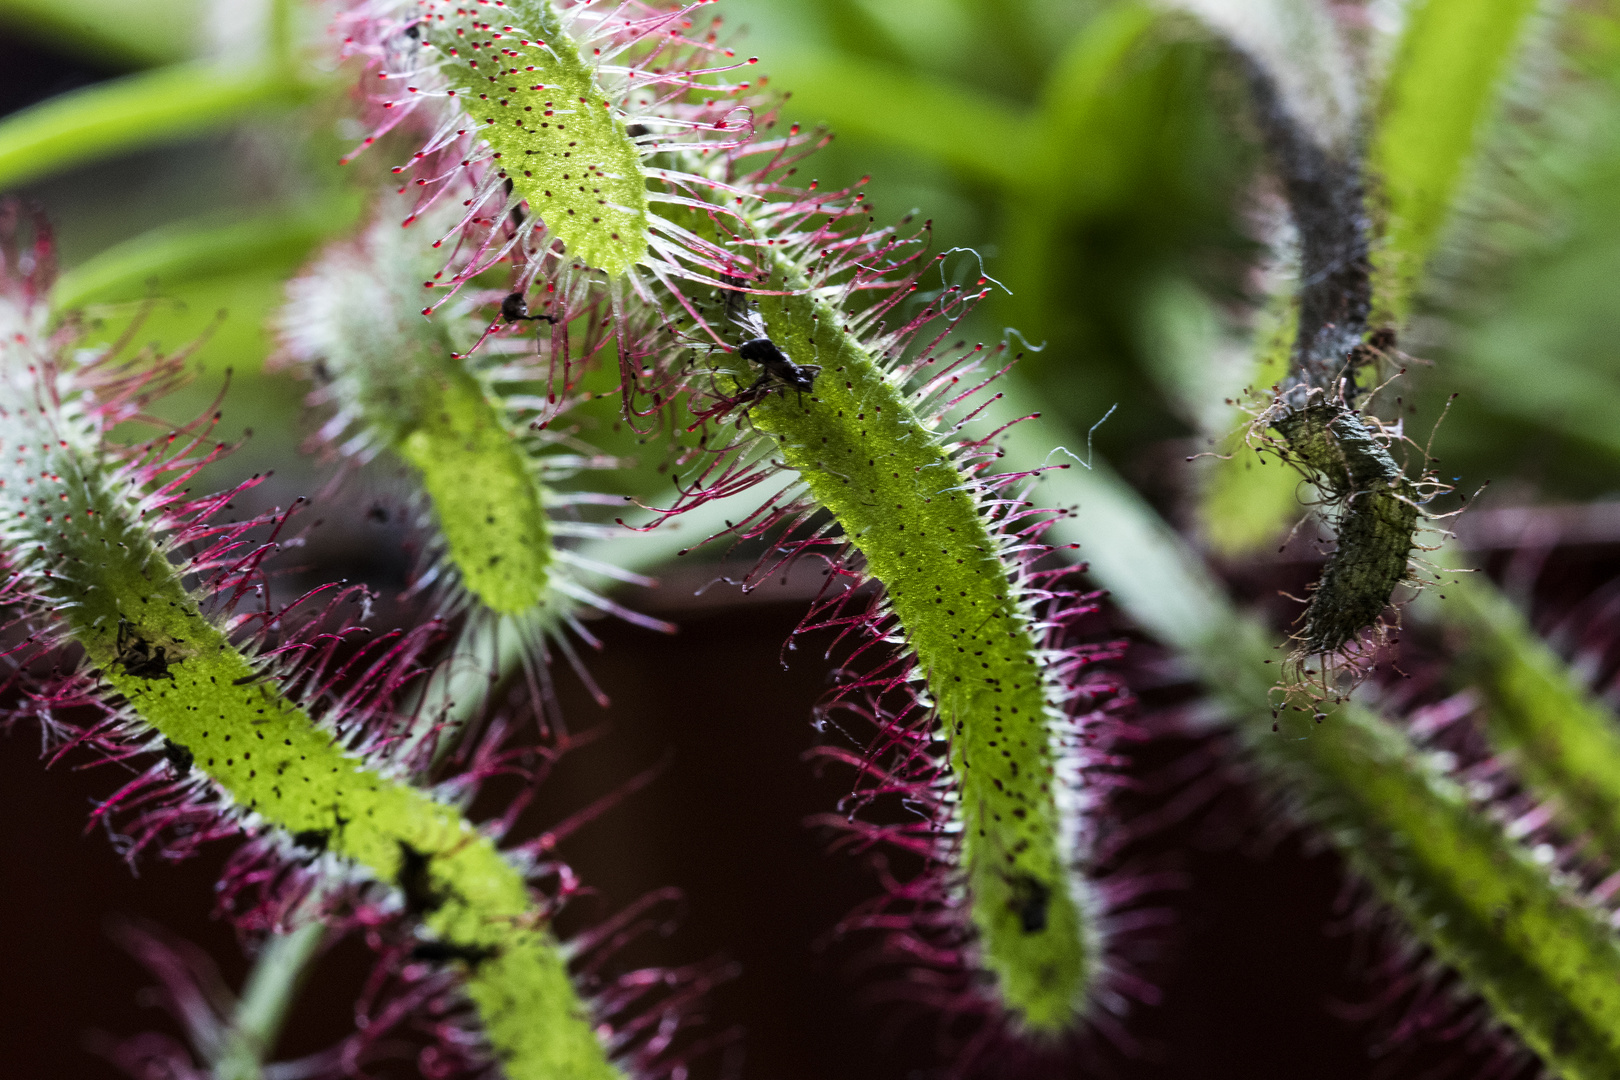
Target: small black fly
[[764, 352], [137, 656], [514, 308], [776, 366]]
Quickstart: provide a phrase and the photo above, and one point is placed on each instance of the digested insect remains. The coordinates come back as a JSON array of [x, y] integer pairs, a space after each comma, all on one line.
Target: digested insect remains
[[1030, 899], [442, 952], [178, 756], [414, 880]]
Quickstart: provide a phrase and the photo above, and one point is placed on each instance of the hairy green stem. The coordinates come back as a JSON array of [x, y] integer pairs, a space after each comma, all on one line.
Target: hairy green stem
[[1546, 962], [890, 482], [77, 536]]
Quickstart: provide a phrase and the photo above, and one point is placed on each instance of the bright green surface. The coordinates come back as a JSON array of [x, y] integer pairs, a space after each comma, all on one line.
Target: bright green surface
[[485, 494], [866, 456], [535, 100]]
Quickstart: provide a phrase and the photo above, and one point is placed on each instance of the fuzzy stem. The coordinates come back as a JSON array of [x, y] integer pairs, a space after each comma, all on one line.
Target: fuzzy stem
[[1546, 962], [279, 969], [866, 456], [76, 535], [1325, 200]]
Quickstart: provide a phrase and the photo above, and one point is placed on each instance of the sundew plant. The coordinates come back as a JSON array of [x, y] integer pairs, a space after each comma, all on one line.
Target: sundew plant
[[1004, 471]]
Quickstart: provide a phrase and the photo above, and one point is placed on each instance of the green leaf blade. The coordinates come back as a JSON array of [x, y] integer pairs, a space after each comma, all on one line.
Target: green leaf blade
[[138, 110], [1444, 83]]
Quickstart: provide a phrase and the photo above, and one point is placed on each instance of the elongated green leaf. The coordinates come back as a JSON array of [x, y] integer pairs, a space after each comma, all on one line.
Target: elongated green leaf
[[138, 110], [985, 137], [1547, 963], [1446, 78], [176, 253], [133, 33]]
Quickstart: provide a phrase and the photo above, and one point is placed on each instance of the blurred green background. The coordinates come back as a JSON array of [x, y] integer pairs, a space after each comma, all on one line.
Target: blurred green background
[[1094, 155]]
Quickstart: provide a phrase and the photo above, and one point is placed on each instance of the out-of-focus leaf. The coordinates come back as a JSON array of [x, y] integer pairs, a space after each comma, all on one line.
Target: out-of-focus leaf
[[127, 33], [1300, 48], [1248, 500], [1451, 61], [137, 110], [856, 31], [985, 137], [1564, 742], [1073, 158], [225, 317], [174, 254]]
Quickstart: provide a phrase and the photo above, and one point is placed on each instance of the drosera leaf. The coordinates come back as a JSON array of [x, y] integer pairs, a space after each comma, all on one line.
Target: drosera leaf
[[402, 382], [896, 493], [1545, 959], [80, 538], [536, 101], [1453, 58], [943, 543], [1563, 741]]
